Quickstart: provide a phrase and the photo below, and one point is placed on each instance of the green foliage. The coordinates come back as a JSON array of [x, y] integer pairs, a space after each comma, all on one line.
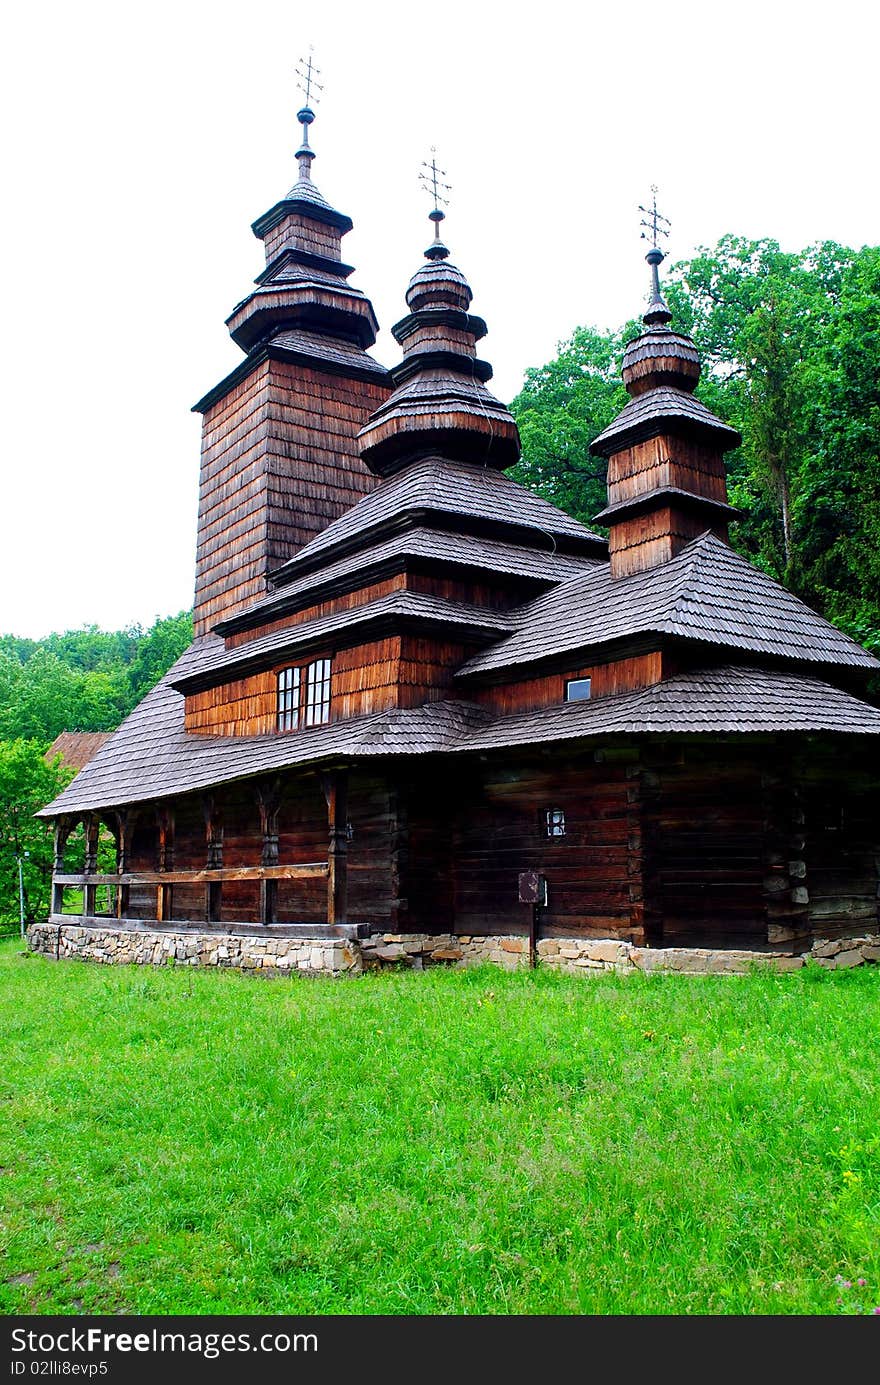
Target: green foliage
[[526, 1143], [83, 680], [156, 651], [27, 783], [560, 409], [791, 357]]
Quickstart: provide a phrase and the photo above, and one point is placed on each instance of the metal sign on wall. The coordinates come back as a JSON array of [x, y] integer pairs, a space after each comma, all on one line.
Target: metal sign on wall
[[532, 887]]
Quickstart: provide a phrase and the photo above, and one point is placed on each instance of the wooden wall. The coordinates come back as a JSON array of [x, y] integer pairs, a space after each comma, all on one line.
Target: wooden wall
[[279, 463], [347, 601], [705, 844], [666, 461], [528, 694], [696, 843], [841, 801], [499, 829], [301, 232], [645, 540]]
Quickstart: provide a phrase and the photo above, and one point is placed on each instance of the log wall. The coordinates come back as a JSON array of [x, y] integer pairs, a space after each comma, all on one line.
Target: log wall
[[842, 842], [500, 830], [704, 823]]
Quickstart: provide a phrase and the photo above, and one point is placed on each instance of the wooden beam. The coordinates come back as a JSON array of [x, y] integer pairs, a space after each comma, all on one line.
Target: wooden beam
[[309, 871]]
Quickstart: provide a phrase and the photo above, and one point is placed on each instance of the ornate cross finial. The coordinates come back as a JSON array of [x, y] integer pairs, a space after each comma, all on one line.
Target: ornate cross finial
[[307, 75], [431, 177], [655, 225], [652, 220]]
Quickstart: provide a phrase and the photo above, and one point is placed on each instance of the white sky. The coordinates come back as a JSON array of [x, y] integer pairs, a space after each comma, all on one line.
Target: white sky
[[143, 140]]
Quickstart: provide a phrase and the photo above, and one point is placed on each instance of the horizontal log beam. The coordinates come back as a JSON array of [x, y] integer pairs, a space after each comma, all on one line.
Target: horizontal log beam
[[311, 871]]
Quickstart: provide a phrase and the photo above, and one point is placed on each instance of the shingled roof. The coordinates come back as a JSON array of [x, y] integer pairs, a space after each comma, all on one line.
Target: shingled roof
[[438, 485], [729, 700], [707, 593], [646, 413], [151, 756], [213, 658], [462, 550], [76, 748]]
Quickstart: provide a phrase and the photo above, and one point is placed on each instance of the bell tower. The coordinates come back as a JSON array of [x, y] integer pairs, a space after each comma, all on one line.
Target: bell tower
[[279, 453]]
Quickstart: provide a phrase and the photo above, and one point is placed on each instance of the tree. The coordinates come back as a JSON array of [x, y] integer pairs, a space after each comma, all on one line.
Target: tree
[[156, 651], [27, 783], [562, 406]]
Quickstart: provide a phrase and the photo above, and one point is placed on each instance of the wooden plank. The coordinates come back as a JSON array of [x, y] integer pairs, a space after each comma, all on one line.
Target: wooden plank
[[310, 870]]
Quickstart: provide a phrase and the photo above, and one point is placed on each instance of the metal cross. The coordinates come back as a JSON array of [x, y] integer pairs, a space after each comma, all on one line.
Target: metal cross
[[307, 78], [432, 180], [652, 220]]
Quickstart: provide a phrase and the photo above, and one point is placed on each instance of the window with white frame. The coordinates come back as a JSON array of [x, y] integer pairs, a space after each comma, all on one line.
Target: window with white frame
[[303, 696], [577, 689], [288, 699], [317, 693]]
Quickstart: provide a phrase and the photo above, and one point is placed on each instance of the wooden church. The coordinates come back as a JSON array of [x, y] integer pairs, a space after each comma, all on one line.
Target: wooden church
[[421, 699]]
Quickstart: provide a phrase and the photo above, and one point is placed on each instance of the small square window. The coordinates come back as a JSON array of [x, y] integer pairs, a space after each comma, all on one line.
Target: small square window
[[555, 819], [577, 689]]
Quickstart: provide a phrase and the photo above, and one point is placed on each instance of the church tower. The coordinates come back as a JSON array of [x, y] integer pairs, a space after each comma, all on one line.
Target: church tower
[[279, 454], [666, 477]]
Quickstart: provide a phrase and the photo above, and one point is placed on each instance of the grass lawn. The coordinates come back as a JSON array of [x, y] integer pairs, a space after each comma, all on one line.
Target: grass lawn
[[175, 1141]]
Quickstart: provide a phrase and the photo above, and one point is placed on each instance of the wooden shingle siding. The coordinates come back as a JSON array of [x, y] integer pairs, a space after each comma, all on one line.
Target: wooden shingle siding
[[265, 488], [616, 676], [348, 601], [661, 461], [303, 233]]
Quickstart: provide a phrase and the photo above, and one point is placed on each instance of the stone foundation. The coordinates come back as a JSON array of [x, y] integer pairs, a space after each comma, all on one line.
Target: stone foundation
[[192, 948], [283, 954]]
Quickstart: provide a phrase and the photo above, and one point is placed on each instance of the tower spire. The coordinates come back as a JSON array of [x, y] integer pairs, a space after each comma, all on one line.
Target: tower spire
[[431, 177], [307, 75], [655, 226]]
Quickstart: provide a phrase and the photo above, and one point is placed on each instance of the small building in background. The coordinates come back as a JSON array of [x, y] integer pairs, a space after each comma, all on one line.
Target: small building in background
[[76, 748]]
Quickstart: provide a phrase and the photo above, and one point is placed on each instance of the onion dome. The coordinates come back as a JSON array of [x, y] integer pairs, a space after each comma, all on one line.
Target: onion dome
[[659, 356], [440, 403], [303, 287]]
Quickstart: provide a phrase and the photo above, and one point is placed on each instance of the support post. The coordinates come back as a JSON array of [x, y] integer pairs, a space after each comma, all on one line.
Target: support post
[[90, 864], [63, 828], [214, 857], [124, 830], [164, 893], [335, 785], [268, 796]]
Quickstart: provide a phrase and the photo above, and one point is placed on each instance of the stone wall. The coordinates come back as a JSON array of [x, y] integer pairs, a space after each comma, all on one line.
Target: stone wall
[[279, 954], [145, 947]]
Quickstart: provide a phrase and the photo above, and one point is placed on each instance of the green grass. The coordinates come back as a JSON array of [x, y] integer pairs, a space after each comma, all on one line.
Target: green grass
[[442, 1142]]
